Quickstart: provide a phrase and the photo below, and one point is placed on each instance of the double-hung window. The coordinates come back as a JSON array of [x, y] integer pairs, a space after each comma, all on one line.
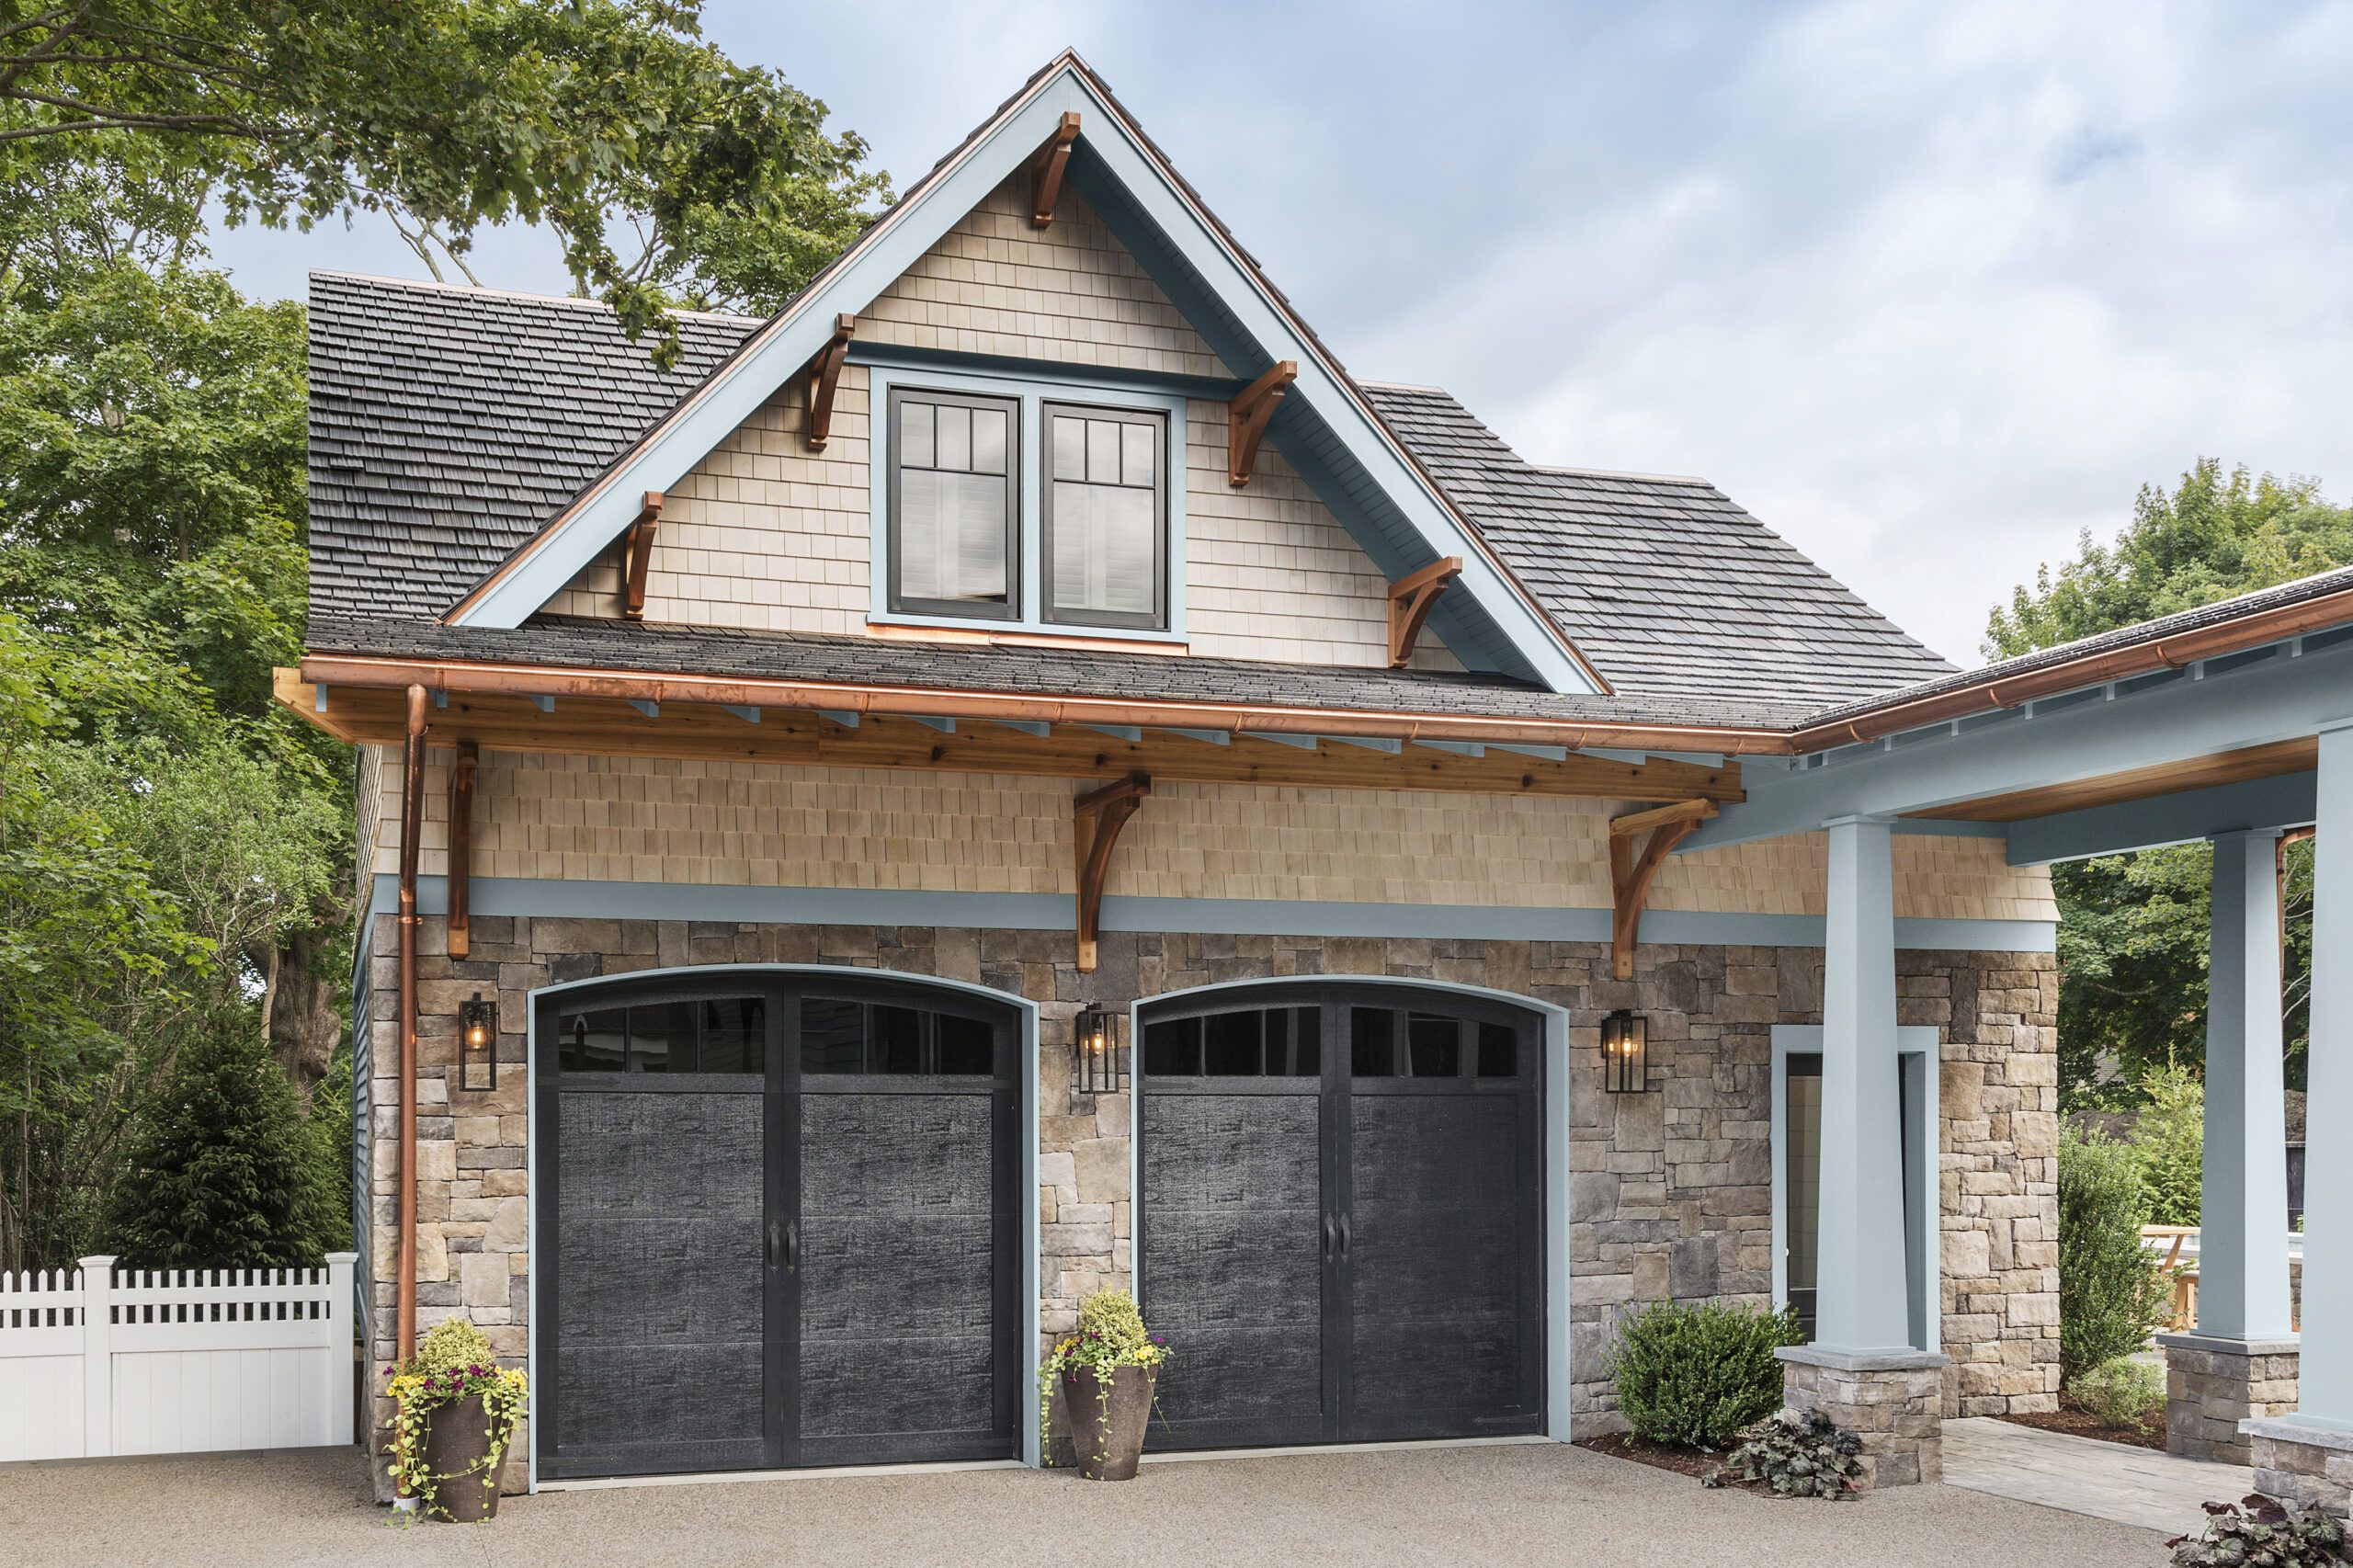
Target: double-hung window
[[1065, 524]]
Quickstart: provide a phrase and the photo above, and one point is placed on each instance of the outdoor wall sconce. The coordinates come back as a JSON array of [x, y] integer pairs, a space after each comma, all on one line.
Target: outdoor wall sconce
[[478, 1044], [1625, 1054], [1099, 1053]]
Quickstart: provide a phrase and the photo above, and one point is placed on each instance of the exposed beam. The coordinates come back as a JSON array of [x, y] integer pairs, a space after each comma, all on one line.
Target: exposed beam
[[1246, 417], [1208, 737], [749, 715], [1630, 873], [637, 552], [1026, 726], [842, 716], [1410, 598], [1389, 744], [1118, 732], [461, 847], [543, 701], [1283, 738], [1046, 173], [1097, 816], [823, 378], [2286, 801], [646, 706], [929, 721]]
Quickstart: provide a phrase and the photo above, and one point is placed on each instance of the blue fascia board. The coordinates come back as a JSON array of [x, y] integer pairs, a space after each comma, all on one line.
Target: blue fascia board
[[494, 897], [2165, 721], [2289, 800]]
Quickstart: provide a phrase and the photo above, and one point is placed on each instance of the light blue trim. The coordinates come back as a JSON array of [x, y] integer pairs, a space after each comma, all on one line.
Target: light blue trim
[[1558, 1373], [2288, 800], [1032, 389], [1030, 1241], [1936, 827], [1926, 1043], [500, 896]]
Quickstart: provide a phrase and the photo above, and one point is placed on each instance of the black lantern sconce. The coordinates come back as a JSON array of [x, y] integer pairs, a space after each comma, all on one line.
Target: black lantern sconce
[[1625, 1054], [1099, 1053], [478, 1044]]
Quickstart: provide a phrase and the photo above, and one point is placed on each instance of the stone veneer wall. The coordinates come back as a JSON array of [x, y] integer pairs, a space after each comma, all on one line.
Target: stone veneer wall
[[1668, 1192]]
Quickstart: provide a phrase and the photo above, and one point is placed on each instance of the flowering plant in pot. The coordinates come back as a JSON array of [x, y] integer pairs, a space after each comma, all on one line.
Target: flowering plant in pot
[[1107, 1370], [455, 1412]]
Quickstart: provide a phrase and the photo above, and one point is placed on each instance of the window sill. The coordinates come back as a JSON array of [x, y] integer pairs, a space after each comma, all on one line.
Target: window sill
[[1103, 640]]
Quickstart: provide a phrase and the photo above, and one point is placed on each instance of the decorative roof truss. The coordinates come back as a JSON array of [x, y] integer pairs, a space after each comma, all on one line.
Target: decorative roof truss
[[1046, 177], [823, 378], [1246, 417], [1097, 816], [1631, 871], [636, 550], [1410, 598]]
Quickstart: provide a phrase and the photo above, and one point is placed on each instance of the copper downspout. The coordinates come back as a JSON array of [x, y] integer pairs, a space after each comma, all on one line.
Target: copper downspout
[[412, 819]]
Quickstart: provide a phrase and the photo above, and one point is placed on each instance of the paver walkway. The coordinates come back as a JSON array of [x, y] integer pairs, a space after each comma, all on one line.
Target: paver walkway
[[1547, 1507], [2084, 1475]]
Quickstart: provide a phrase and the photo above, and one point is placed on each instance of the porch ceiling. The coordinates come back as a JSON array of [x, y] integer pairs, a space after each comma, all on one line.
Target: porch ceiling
[[2137, 784]]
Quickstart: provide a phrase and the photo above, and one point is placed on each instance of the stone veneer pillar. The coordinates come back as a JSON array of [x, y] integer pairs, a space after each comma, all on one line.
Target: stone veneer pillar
[[1895, 1403], [2214, 1384]]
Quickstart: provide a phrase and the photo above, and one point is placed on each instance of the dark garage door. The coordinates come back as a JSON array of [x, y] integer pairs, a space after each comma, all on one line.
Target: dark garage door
[[778, 1225], [1342, 1221]]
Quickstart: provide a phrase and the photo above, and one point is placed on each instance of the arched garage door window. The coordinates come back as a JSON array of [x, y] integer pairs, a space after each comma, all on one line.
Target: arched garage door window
[[762, 1195], [1341, 1220]]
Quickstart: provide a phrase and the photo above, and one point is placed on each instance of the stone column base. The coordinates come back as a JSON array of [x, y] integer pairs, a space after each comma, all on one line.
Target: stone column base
[[2301, 1464], [1893, 1401], [2212, 1385]]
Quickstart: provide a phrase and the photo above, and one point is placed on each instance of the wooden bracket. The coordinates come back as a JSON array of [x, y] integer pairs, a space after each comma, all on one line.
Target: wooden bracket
[[1246, 416], [1630, 874], [1410, 598], [824, 377], [637, 549], [461, 847], [1046, 187], [1098, 816]]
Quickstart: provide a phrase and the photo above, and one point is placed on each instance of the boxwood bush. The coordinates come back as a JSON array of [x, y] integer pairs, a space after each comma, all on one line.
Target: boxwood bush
[[2111, 1295], [1695, 1376]]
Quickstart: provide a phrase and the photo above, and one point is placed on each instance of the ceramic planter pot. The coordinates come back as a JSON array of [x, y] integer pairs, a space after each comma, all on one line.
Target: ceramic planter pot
[[457, 1440], [1107, 1418]]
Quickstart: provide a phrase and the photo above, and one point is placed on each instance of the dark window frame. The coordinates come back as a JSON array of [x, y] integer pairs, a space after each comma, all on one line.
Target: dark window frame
[[1158, 421], [901, 602]]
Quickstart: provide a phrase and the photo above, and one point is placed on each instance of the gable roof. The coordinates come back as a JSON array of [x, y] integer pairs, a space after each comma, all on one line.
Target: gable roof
[[1667, 585]]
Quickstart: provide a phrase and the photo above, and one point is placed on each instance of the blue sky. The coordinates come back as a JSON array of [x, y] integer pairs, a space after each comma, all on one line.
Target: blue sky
[[1929, 288]]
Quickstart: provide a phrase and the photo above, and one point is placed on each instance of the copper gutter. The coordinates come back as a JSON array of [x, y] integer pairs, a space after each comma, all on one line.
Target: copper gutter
[[457, 677], [411, 824], [2091, 669]]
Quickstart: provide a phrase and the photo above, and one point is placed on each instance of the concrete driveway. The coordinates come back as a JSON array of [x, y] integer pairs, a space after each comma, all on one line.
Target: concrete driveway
[[1489, 1506]]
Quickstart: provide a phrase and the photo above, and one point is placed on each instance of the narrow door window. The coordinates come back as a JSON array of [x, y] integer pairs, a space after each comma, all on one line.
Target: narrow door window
[[1802, 1180]]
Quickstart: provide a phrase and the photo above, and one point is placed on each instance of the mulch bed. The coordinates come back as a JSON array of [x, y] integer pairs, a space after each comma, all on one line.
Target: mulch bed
[[2075, 1420], [1626, 1446]]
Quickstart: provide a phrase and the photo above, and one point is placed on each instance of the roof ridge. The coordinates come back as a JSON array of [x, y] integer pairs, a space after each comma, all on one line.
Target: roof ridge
[[476, 291], [1574, 471]]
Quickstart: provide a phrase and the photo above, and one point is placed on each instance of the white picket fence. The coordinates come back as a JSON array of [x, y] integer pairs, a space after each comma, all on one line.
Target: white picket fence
[[176, 1362]]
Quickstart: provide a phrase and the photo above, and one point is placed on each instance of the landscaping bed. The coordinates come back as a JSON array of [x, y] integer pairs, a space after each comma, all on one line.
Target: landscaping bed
[[1641, 1450], [2075, 1420]]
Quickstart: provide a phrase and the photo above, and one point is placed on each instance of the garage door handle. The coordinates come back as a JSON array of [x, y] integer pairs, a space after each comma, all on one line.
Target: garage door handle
[[1344, 1235], [1330, 1232], [792, 1244], [775, 1236]]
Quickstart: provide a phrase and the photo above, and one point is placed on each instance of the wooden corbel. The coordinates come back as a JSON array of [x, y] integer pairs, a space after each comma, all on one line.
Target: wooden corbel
[[461, 848], [1630, 874], [1046, 185], [637, 549], [1098, 816], [823, 376], [1410, 598], [1246, 417]]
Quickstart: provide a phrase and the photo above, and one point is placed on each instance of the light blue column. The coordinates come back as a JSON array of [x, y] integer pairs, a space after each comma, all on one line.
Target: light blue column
[[2325, 1393], [1860, 1303], [2243, 1239]]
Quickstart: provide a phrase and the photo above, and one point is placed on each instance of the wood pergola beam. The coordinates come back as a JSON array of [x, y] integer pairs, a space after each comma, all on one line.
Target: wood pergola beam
[[1246, 418], [1097, 818], [1632, 872], [1046, 175], [823, 378], [1410, 601], [637, 553]]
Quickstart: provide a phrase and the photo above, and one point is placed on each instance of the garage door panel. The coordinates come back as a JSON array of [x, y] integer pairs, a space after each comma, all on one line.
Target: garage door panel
[[660, 1393], [1208, 1152], [896, 1154], [902, 1389]]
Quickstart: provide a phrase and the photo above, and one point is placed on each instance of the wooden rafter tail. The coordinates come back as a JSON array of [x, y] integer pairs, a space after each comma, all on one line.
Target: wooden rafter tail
[[1046, 182], [461, 843], [1410, 599], [822, 379], [1248, 417], [1630, 874], [1098, 815], [636, 550]]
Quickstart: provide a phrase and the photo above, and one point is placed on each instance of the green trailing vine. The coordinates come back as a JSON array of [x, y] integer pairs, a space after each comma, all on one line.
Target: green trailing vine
[[1110, 1334], [454, 1363]]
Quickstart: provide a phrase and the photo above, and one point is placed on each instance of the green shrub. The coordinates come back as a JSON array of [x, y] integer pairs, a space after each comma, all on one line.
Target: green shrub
[[2122, 1392], [1695, 1376], [1797, 1456], [2169, 1145], [2111, 1294]]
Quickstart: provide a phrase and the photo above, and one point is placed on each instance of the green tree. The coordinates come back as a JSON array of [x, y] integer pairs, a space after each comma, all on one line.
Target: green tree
[[222, 1175], [2169, 1145], [2111, 1294], [599, 120], [2133, 929]]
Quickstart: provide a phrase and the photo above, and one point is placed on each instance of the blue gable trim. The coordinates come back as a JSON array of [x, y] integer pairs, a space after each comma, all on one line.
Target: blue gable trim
[[1324, 427]]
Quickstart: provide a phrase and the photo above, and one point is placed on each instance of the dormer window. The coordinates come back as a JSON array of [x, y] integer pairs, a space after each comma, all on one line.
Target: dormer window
[[1030, 507]]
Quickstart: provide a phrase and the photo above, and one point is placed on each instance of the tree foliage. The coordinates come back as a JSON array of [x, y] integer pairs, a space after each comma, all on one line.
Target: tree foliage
[[2133, 929], [612, 124], [2169, 1146]]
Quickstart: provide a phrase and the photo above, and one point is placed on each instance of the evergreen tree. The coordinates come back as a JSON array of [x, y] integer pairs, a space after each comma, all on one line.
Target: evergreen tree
[[223, 1172]]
